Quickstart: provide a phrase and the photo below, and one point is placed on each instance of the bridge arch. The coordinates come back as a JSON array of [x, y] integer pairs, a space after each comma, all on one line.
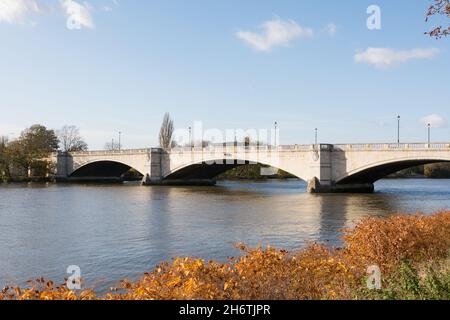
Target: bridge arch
[[373, 172], [103, 170], [210, 169]]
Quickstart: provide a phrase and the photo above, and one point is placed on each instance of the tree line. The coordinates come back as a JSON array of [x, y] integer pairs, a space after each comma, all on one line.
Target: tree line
[[27, 156], [431, 171]]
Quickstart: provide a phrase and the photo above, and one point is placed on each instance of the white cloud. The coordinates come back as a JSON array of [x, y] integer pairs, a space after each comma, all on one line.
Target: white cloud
[[16, 11], [274, 33], [331, 29], [79, 15], [435, 120], [109, 8], [385, 57]]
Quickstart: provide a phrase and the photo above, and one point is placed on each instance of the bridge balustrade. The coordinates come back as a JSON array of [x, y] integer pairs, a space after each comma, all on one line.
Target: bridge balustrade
[[391, 146], [232, 149], [112, 152]]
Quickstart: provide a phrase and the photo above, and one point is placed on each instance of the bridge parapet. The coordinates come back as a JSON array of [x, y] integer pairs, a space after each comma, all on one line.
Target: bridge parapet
[[110, 153], [392, 146], [312, 147], [305, 148], [241, 148]]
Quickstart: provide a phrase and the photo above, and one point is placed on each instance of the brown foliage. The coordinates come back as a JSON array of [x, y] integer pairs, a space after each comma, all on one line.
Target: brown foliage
[[316, 272], [385, 242], [440, 7]]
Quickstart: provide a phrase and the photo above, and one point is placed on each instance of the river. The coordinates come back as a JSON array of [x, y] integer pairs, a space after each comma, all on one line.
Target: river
[[121, 231]]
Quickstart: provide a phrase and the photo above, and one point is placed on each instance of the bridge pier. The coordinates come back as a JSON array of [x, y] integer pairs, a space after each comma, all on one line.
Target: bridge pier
[[314, 186]]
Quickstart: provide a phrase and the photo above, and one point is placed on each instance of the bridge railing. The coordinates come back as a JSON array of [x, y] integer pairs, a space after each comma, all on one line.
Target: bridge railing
[[393, 146], [240, 148], [281, 148], [111, 152]]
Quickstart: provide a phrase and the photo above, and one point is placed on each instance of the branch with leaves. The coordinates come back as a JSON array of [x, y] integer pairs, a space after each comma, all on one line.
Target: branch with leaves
[[439, 8]]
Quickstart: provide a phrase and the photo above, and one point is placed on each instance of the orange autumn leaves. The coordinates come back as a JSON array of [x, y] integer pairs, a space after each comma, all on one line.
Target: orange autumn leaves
[[385, 242], [315, 272]]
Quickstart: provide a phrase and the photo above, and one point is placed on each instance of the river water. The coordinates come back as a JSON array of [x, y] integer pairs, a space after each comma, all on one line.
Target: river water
[[114, 232]]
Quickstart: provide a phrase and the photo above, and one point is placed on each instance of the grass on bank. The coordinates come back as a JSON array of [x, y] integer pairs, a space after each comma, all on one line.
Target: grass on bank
[[411, 251]]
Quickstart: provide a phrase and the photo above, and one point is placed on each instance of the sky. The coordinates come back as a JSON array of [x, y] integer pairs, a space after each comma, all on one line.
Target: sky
[[109, 66]]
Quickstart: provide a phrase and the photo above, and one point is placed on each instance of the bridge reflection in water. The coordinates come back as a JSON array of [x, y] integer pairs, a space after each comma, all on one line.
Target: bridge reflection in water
[[327, 168]]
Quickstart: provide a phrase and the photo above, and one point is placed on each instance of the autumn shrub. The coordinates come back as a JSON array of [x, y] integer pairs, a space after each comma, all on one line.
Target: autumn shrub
[[41, 289], [412, 252], [387, 241], [313, 273]]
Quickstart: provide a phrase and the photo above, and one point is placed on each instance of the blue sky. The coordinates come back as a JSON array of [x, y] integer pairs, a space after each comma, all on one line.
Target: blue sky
[[230, 64]]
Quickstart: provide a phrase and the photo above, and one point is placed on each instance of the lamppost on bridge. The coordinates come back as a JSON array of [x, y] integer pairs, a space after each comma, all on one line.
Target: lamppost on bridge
[[429, 134], [190, 138], [316, 136], [276, 133], [120, 140], [398, 129]]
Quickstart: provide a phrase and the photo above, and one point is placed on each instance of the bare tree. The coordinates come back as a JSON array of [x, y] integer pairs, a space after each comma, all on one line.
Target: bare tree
[[70, 139], [439, 8], [112, 146], [166, 132]]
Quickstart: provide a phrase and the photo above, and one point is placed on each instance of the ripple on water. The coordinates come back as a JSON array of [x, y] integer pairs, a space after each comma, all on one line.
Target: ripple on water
[[113, 232]]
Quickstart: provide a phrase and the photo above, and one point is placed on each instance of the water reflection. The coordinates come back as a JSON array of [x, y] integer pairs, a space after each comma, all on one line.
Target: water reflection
[[114, 232]]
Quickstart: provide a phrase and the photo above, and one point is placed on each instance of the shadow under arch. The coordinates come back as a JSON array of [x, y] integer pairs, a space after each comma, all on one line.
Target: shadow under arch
[[209, 170], [105, 171], [372, 174]]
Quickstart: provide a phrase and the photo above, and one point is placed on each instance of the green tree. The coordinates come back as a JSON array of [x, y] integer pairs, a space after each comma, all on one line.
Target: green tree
[[32, 149], [4, 161], [39, 141], [16, 157], [437, 171]]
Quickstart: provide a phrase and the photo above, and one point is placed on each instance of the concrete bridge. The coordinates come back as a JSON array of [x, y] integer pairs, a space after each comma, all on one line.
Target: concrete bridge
[[326, 167]]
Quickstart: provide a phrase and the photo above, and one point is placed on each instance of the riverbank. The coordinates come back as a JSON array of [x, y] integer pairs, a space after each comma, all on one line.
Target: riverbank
[[412, 253], [27, 180], [253, 172]]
